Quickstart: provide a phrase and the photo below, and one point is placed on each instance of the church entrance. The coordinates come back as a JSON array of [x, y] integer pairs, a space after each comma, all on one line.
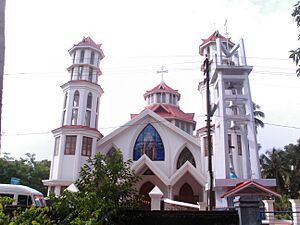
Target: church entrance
[[144, 191], [186, 194]]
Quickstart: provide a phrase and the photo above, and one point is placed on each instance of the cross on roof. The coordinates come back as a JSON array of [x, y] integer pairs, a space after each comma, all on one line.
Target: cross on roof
[[162, 71]]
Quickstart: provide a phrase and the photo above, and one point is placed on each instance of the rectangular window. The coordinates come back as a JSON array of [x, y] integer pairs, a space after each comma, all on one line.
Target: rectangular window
[[188, 128], [56, 145], [86, 146], [90, 74], [163, 95], [74, 117], [239, 144], [96, 121], [64, 117], [158, 96], [88, 118], [229, 141], [24, 200], [74, 57], [97, 105], [70, 145], [80, 71], [92, 57], [81, 56], [72, 73]]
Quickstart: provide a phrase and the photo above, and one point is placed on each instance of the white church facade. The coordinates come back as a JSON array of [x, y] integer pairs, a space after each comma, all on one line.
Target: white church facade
[[161, 140]]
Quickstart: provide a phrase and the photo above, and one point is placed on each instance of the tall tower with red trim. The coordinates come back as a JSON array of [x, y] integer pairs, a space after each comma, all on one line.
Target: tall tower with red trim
[[235, 153], [76, 139]]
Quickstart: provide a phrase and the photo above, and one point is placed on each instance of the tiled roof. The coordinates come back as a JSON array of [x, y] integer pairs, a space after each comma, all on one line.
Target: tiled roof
[[88, 41], [170, 111], [162, 87], [250, 188], [213, 37]]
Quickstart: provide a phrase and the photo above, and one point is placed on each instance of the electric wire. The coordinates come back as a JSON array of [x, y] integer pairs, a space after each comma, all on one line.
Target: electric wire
[[142, 124]]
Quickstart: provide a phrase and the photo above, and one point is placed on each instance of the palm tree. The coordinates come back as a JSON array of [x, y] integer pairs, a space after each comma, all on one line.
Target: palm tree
[[258, 114], [274, 165]]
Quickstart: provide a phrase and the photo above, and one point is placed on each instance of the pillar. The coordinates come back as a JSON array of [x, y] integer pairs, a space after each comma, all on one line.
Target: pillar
[[295, 210], [155, 195], [269, 208], [249, 210]]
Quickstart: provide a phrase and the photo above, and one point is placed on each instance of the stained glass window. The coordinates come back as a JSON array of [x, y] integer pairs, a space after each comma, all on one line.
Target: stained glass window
[[149, 142], [184, 156]]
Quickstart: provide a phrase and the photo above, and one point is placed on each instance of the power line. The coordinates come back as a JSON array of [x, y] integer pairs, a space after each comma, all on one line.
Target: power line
[[141, 124]]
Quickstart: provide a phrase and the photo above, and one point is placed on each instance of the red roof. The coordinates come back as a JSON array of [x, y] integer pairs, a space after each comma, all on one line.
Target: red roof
[[250, 188], [88, 41], [162, 87], [213, 38], [170, 111]]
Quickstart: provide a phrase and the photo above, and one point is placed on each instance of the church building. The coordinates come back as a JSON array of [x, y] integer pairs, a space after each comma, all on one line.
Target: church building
[[162, 140]]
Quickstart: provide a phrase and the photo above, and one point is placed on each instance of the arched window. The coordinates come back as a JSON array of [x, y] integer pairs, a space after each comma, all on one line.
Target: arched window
[[65, 102], [150, 143], [76, 99], [186, 193], [184, 156], [145, 190], [92, 58], [111, 151], [89, 101], [81, 56]]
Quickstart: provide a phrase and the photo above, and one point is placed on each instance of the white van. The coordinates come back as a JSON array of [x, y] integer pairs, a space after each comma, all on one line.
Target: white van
[[23, 195]]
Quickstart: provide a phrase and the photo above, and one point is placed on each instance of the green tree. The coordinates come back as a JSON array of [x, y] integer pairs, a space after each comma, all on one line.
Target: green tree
[[28, 170], [106, 188], [295, 54], [273, 165], [257, 115], [292, 159]]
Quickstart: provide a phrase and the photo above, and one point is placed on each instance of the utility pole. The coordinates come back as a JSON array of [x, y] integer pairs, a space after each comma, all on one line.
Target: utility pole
[[2, 51], [211, 194]]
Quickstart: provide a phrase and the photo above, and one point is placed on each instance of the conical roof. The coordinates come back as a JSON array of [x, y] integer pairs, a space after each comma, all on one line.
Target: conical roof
[[162, 87]]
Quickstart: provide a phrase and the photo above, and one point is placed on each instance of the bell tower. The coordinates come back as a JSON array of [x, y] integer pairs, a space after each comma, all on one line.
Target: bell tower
[[235, 153], [76, 138]]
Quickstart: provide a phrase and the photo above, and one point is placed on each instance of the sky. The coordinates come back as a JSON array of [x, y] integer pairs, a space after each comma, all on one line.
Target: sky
[[138, 37]]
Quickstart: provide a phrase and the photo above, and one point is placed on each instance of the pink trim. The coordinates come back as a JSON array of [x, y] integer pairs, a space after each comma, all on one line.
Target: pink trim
[[76, 127]]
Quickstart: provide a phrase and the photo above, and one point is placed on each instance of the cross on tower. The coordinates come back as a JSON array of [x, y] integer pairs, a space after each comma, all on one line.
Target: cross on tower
[[162, 71], [226, 33]]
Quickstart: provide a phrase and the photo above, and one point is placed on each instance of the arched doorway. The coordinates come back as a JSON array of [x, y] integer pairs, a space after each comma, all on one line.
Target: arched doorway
[[144, 191], [186, 194]]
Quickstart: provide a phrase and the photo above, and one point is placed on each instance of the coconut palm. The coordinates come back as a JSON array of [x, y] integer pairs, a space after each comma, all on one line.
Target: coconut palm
[[274, 165], [258, 114]]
